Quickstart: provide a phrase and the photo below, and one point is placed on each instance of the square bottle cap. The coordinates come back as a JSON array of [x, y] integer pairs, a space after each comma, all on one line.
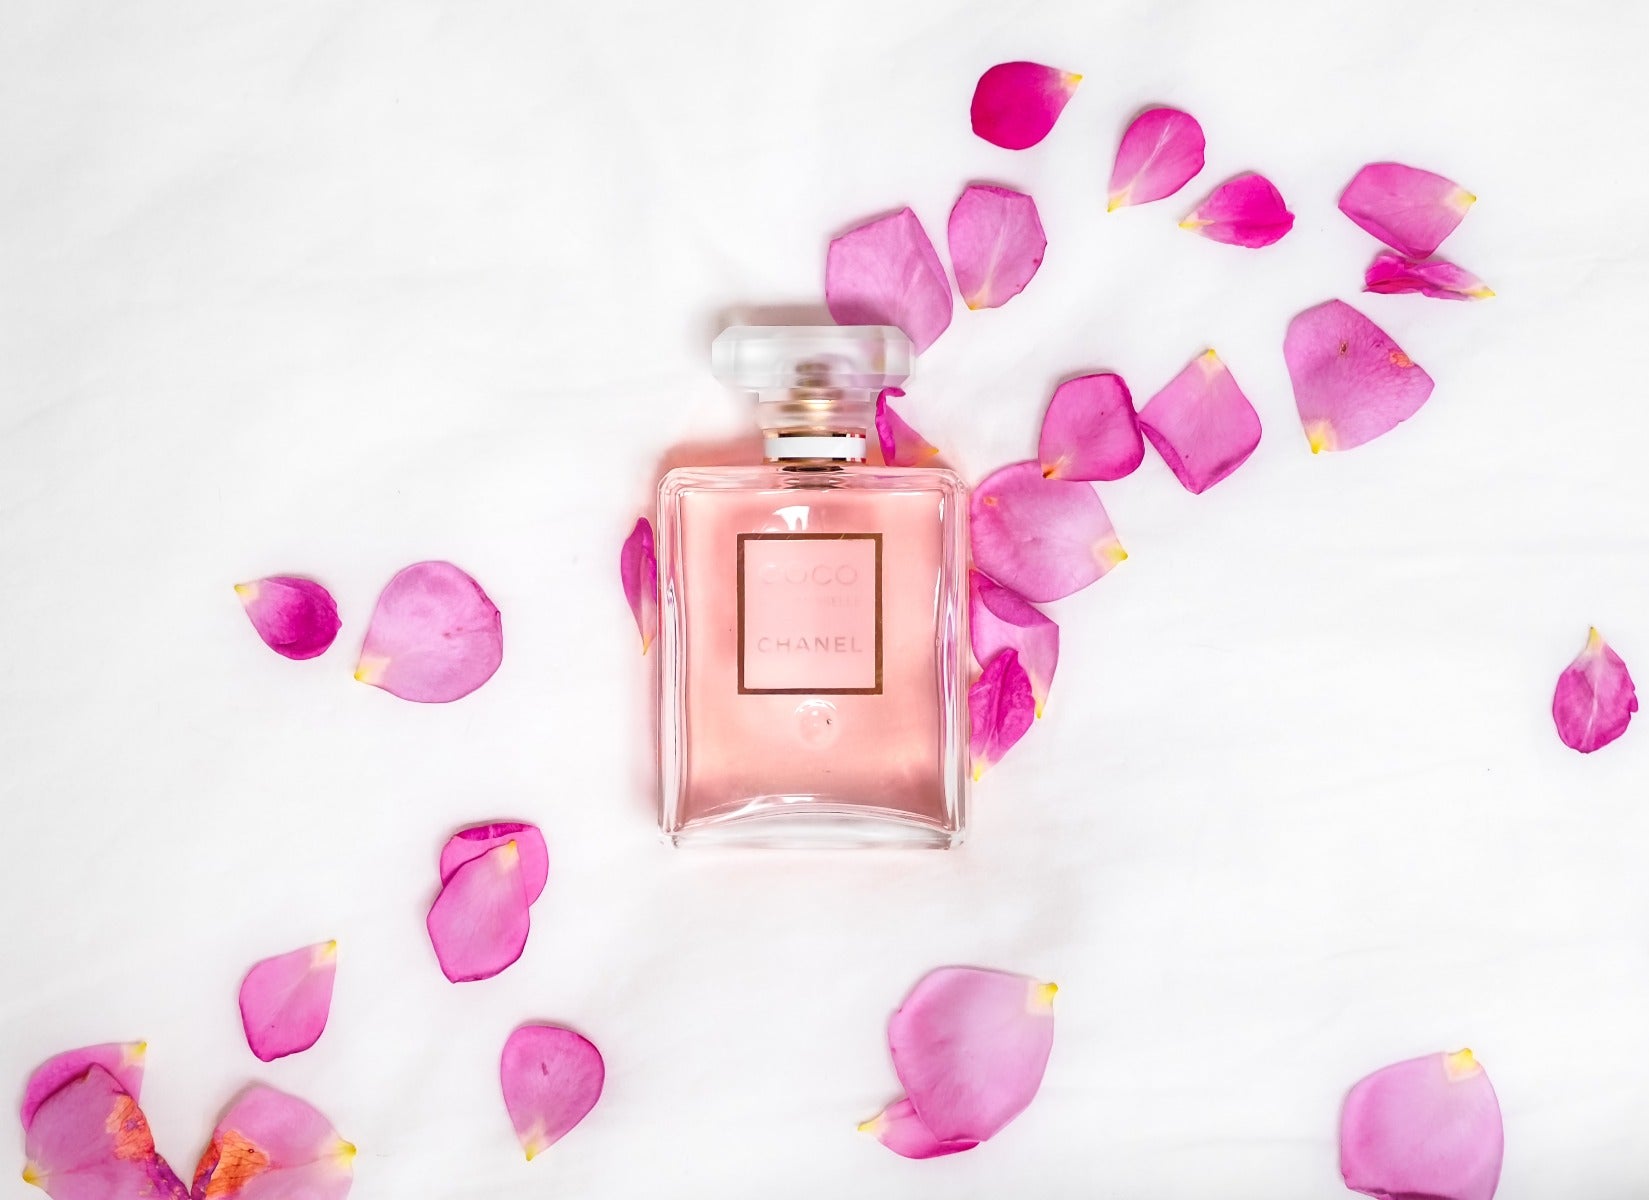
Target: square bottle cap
[[769, 358]]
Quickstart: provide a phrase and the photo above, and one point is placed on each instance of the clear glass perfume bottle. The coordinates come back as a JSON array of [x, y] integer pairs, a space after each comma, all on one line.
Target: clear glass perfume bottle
[[813, 615]]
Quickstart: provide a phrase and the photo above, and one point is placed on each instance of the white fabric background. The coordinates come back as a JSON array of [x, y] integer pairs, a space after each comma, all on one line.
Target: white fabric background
[[331, 287]]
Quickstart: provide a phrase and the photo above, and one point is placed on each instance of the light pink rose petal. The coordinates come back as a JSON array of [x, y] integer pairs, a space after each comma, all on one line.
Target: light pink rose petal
[[886, 272], [1202, 424], [1425, 1129], [435, 636], [471, 843], [1408, 209], [902, 446], [271, 1146], [123, 1060], [1090, 430], [1595, 697], [1160, 153], [1001, 707], [1352, 383], [1393, 273], [89, 1140], [285, 1000], [479, 923], [638, 569], [1015, 104], [996, 244], [552, 1078], [1044, 538], [970, 1047], [296, 618], [1001, 619], [899, 1129], [1245, 211]]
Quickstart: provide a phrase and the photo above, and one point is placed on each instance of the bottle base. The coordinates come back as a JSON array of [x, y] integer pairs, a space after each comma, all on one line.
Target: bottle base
[[855, 828]]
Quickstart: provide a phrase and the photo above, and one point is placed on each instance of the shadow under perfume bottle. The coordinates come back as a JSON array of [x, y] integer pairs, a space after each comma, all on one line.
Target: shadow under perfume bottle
[[813, 615]]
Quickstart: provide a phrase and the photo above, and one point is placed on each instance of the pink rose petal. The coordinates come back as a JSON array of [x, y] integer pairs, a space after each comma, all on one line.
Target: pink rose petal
[[1352, 383], [1160, 153], [296, 618], [1245, 211], [970, 1047], [552, 1078], [1202, 424], [638, 568], [1001, 619], [1406, 208], [1425, 1129], [1090, 430], [285, 1000], [1001, 707], [1595, 697], [471, 843], [885, 272], [1392, 273], [271, 1146], [478, 925], [122, 1060], [435, 636], [902, 446], [1015, 104], [899, 1129], [89, 1140], [1044, 538], [996, 244]]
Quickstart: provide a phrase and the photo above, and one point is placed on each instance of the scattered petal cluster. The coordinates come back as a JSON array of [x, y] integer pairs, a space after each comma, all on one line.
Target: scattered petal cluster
[[490, 877], [1411, 211]]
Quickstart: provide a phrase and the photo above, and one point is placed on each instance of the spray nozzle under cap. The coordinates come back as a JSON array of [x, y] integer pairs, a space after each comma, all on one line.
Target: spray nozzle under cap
[[777, 358]]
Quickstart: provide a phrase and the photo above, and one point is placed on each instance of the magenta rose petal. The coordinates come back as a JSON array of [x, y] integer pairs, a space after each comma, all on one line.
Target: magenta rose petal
[[1090, 430], [1001, 619], [970, 1047], [271, 1146], [899, 1129], [89, 1140], [1391, 274], [472, 843], [435, 636], [285, 1000], [479, 923], [1001, 707], [1595, 697], [1202, 424], [1161, 151], [996, 244], [1044, 538], [296, 618], [1016, 104], [886, 272], [1408, 209], [123, 1060], [1352, 383], [902, 446], [638, 568], [1245, 211], [552, 1078], [1425, 1129]]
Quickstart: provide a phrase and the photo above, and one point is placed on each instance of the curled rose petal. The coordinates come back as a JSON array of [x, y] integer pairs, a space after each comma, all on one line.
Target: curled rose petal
[[1090, 430], [1001, 619], [1406, 208], [1352, 383], [638, 568], [1595, 697], [285, 1000], [1015, 104], [1392, 273], [1202, 424], [122, 1060], [996, 244], [970, 1047], [296, 618], [89, 1140], [1160, 153], [899, 1129], [271, 1146], [434, 637], [1425, 1129], [902, 446], [1001, 707], [552, 1078], [1245, 211], [471, 843], [1044, 538], [479, 923], [886, 272]]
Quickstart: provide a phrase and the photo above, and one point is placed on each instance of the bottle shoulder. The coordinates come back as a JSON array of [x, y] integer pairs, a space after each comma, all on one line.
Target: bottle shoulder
[[764, 477]]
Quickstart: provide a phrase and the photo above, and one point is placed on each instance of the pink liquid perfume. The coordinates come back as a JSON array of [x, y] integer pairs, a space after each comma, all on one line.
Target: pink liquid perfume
[[813, 615]]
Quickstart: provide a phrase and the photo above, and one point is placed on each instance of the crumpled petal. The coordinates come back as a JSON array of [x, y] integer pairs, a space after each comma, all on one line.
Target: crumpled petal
[[1001, 619], [1425, 1129], [1044, 538], [1015, 104], [638, 569], [552, 1078], [434, 637], [1595, 697], [1352, 383], [996, 244], [123, 1060], [271, 1146], [1090, 430], [899, 1129], [296, 618], [1393, 273], [1202, 424], [475, 841], [1245, 211], [1408, 209], [886, 272], [902, 446], [1001, 707], [970, 1047], [89, 1140], [1161, 151], [479, 923], [285, 1000]]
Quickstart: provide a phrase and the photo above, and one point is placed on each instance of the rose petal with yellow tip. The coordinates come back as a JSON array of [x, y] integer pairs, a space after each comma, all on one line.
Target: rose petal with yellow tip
[[1001, 619], [1425, 1129], [296, 618], [996, 244], [1408, 209], [638, 571], [123, 1060], [1161, 151], [285, 1000], [1201, 424], [1001, 708], [886, 272], [475, 841], [551, 1077], [479, 923], [1393, 274], [899, 1129], [901, 445], [1595, 697], [1090, 430], [1015, 104], [434, 637], [1246, 211], [89, 1140], [1352, 383], [1044, 538], [272, 1146]]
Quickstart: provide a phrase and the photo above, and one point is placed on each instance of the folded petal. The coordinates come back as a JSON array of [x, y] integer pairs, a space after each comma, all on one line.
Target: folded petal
[[970, 1047], [1425, 1129], [478, 925], [285, 1000], [89, 1140], [1595, 697], [434, 637], [899, 1129], [1406, 208], [638, 568], [271, 1146], [1001, 619], [1393, 273], [472, 843], [1202, 424], [1015, 104], [1001, 707], [1245, 211], [1090, 431], [996, 244], [886, 272], [1160, 153], [123, 1060], [552, 1078], [1352, 383], [902, 446], [1044, 538], [296, 618]]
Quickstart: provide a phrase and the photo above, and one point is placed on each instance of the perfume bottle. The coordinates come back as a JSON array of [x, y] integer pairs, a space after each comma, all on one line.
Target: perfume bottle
[[813, 615]]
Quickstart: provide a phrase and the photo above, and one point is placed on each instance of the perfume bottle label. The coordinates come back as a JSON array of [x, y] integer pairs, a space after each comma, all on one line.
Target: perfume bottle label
[[810, 613]]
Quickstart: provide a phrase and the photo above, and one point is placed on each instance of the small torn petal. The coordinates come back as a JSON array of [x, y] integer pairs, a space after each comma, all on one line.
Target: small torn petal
[[1090, 430], [472, 843], [1161, 151], [1408, 209], [1001, 707], [1425, 1129], [296, 618], [1016, 104], [1393, 273], [996, 244], [551, 1078], [1245, 211], [271, 1146], [435, 636], [1595, 697], [886, 272], [89, 1140], [1001, 619], [899, 1129], [285, 1000], [1044, 538], [1352, 383], [479, 923], [902, 446], [638, 569], [1202, 424], [122, 1060]]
